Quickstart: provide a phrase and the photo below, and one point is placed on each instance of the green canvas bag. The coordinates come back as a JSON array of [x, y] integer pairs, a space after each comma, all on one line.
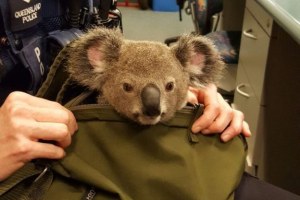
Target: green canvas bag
[[113, 158]]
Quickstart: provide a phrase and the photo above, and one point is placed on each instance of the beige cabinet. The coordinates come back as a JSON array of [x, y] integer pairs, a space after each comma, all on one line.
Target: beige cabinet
[[250, 75], [268, 92]]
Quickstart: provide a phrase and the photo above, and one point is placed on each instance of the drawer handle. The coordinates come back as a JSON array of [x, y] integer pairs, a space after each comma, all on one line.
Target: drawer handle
[[248, 33], [238, 89]]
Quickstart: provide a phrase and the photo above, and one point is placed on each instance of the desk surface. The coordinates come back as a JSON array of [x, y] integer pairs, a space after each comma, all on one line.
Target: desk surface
[[286, 13]]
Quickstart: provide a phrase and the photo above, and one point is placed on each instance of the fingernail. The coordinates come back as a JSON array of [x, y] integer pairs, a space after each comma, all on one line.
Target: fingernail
[[225, 138], [196, 129]]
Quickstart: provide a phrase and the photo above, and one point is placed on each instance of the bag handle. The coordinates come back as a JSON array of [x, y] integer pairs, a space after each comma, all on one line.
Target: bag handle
[[56, 77], [79, 99]]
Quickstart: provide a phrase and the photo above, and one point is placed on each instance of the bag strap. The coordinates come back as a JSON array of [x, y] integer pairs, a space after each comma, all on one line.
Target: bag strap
[[29, 182], [56, 77]]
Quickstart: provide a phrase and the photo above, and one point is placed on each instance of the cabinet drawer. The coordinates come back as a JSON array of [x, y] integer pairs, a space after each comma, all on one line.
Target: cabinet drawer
[[245, 101], [253, 53], [263, 18]]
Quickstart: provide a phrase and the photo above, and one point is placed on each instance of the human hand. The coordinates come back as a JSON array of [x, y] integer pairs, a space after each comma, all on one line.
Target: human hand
[[26, 123], [218, 116]]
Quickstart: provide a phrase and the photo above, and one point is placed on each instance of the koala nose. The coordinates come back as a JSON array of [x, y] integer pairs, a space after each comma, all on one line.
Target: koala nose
[[151, 100]]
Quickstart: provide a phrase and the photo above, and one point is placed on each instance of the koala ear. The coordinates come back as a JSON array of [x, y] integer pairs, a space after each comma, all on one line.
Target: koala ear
[[92, 54], [104, 47], [199, 58]]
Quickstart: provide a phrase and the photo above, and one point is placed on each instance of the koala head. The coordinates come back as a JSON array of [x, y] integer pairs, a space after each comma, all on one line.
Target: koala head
[[143, 80]]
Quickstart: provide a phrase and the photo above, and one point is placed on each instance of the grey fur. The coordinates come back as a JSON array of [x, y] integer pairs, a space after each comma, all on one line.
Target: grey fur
[[104, 61]]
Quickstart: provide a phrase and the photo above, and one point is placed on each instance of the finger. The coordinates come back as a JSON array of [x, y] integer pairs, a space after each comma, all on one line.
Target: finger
[[58, 115], [51, 132], [235, 127], [246, 129], [211, 110], [223, 119], [210, 113], [220, 123], [45, 150], [48, 114], [25, 105], [72, 123], [32, 100]]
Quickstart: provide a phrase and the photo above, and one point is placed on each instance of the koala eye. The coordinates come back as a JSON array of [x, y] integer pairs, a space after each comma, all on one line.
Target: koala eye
[[170, 86], [127, 87]]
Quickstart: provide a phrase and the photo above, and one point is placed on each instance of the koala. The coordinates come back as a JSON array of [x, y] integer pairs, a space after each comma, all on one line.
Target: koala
[[144, 81]]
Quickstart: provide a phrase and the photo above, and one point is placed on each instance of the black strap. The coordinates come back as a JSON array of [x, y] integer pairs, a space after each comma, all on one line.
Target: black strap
[[30, 182]]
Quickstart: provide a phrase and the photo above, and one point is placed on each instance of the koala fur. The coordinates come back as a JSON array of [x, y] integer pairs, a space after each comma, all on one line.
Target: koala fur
[[143, 80]]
